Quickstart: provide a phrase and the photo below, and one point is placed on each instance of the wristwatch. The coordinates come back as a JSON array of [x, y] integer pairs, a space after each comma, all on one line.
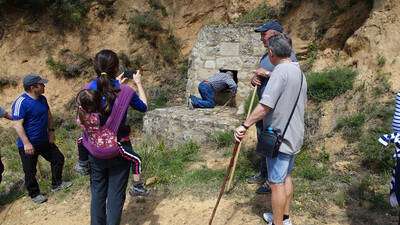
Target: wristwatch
[[246, 127]]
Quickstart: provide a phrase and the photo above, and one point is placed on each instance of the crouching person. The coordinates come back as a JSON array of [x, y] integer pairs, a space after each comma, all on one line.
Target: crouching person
[[33, 123], [219, 82]]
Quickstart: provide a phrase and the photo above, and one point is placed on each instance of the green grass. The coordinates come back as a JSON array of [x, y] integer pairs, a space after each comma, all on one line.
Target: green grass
[[351, 126], [223, 138], [260, 14], [382, 84], [168, 165], [312, 52], [328, 84], [381, 60]]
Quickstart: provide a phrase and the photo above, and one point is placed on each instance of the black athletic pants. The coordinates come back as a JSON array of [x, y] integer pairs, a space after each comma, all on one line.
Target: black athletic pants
[[52, 154]]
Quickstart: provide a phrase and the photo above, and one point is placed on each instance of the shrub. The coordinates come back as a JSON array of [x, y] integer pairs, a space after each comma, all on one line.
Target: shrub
[[6, 82], [351, 126], [328, 84], [69, 13], [382, 85], [258, 15], [65, 13]]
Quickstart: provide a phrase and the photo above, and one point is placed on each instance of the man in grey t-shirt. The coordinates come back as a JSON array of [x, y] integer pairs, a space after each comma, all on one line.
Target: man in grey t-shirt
[[274, 108]]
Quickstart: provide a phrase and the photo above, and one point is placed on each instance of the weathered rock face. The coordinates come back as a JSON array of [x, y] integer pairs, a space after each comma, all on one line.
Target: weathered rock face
[[179, 124], [231, 47]]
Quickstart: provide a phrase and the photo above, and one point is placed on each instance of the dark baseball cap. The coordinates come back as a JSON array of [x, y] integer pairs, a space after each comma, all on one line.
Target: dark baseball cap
[[32, 79], [270, 25]]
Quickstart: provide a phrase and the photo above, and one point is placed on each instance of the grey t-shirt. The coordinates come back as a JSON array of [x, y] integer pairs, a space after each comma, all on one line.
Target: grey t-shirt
[[280, 95]]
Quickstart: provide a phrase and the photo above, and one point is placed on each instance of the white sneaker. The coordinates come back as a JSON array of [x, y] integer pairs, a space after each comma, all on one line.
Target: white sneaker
[[269, 219]]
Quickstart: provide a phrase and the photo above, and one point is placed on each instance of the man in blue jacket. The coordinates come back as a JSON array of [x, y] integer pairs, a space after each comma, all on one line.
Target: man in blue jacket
[[34, 126]]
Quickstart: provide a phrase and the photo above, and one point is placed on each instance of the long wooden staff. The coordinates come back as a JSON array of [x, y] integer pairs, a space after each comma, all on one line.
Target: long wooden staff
[[238, 151], [221, 192], [232, 164]]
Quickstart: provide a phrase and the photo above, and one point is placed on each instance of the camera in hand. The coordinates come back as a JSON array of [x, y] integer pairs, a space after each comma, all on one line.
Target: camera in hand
[[129, 73]]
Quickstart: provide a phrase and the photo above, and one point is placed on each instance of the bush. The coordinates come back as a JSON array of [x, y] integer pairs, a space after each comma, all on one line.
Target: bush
[[328, 84], [6, 82], [65, 13], [257, 15], [69, 13]]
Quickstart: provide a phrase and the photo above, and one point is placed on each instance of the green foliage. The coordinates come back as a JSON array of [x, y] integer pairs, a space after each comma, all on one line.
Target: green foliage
[[351, 126], [6, 82], [382, 84], [312, 52], [69, 13], [381, 60], [65, 13], [170, 48], [257, 15], [374, 156], [328, 84], [58, 68], [166, 164], [223, 138]]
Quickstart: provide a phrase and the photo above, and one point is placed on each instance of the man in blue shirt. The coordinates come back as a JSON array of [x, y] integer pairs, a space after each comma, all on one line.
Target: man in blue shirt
[[33, 123], [260, 79]]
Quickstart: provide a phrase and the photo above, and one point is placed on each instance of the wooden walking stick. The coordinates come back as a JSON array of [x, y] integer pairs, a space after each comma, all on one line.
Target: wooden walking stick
[[238, 151], [232, 164], [221, 192]]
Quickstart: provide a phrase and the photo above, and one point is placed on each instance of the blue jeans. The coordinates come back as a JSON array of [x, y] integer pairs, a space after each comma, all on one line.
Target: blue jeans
[[280, 167], [108, 182], [207, 99]]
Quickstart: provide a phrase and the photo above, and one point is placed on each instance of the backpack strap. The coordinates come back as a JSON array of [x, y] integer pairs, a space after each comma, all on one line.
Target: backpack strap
[[120, 106]]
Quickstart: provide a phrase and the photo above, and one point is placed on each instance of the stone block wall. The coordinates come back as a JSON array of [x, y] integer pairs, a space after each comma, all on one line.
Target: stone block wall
[[225, 46]]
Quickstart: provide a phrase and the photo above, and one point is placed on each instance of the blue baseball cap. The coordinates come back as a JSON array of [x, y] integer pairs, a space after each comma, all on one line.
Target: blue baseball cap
[[32, 79], [270, 25]]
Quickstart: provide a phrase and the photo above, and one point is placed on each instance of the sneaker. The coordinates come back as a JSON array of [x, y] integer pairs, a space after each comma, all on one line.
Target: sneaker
[[39, 199], [256, 179], [268, 218], [138, 190], [64, 185], [82, 168], [189, 103], [263, 189]]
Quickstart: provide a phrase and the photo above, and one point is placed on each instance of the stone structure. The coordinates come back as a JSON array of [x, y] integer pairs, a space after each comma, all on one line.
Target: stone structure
[[231, 47], [225, 46], [179, 124]]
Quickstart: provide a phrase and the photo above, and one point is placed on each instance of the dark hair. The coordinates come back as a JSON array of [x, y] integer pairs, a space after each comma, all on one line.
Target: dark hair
[[106, 64], [280, 46], [86, 102]]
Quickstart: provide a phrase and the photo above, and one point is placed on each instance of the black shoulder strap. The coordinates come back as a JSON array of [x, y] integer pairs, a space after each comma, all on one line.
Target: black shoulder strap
[[294, 107]]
